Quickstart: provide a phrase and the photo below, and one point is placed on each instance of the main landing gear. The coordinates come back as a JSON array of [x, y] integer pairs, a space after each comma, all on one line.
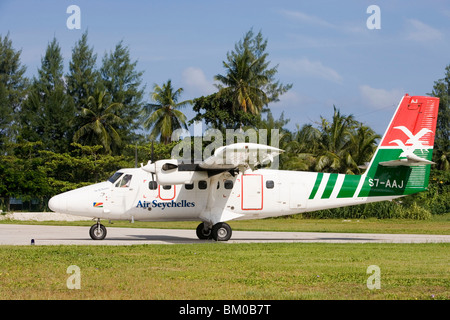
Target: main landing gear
[[98, 231], [220, 231]]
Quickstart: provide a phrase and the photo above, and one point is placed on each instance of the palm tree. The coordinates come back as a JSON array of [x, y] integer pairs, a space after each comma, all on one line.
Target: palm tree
[[335, 143], [363, 144], [302, 149], [100, 122], [164, 116], [249, 80], [339, 146], [243, 83]]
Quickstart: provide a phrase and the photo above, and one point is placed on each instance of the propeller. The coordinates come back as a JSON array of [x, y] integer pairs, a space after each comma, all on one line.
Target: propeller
[[152, 153], [152, 160], [150, 166]]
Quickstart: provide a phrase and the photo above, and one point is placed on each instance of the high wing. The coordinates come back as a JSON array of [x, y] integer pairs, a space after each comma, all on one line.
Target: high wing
[[234, 158], [240, 155]]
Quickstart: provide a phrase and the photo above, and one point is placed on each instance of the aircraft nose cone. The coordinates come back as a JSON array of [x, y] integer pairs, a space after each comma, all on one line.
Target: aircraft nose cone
[[58, 203]]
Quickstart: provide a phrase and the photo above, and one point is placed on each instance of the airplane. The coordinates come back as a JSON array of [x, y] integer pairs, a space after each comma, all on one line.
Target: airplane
[[229, 185]]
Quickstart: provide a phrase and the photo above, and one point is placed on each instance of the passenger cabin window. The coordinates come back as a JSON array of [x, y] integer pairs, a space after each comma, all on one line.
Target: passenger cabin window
[[153, 185], [228, 184], [125, 182], [189, 186], [270, 184], [202, 184]]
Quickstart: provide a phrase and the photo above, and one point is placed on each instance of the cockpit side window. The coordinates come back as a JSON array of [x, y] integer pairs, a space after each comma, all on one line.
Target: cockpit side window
[[115, 177], [125, 182]]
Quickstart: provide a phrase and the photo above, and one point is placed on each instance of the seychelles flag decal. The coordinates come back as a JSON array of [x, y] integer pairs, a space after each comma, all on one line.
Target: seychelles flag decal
[[98, 205]]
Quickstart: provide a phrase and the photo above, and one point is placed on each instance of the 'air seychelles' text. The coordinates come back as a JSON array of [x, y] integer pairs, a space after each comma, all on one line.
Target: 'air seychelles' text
[[163, 205]]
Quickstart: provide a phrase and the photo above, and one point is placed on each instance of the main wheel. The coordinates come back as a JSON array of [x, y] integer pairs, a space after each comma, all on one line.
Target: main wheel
[[221, 232], [97, 232], [203, 234]]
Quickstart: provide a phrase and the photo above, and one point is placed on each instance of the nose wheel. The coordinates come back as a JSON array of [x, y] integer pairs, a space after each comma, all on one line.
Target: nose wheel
[[97, 231], [220, 232]]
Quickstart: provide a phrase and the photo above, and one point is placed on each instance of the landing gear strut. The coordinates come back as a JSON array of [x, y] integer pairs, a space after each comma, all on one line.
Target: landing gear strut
[[98, 231], [220, 232]]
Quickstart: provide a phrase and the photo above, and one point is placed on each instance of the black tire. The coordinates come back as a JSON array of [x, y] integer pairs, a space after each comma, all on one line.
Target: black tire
[[201, 234], [97, 232], [221, 232]]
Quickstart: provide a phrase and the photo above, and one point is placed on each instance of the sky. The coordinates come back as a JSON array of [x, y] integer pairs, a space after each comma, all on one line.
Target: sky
[[328, 50]]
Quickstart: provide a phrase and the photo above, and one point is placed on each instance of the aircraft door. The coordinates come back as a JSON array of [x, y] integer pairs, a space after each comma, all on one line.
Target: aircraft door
[[297, 196], [252, 192], [167, 192]]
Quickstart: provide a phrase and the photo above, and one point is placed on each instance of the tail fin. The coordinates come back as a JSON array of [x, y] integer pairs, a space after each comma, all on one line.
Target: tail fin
[[401, 164]]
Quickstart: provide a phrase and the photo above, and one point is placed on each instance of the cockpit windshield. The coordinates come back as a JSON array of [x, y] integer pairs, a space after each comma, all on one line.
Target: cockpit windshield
[[125, 182], [115, 177]]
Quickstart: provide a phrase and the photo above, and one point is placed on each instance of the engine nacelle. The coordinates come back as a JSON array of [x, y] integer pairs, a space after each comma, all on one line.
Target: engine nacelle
[[168, 173]]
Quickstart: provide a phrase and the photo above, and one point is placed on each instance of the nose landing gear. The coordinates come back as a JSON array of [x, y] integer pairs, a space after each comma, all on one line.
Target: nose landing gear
[[98, 231]]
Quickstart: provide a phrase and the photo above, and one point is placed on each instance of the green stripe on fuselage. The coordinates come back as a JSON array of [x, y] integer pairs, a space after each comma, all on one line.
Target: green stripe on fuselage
[[349, 186], [330, 186], [316, 185]]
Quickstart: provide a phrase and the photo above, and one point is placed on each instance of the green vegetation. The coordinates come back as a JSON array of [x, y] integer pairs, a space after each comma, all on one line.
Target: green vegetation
[[224, 271]]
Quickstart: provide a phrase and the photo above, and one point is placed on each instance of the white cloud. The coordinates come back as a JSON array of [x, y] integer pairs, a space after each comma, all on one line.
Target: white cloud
[[288, 99], [380, 98], [306, 18], [307, 68], [421, 32], [352, 27], [195, 82], [293, 100]]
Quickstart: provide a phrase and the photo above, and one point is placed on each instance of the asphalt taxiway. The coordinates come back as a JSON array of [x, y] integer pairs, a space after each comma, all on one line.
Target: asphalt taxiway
[[16, 234]]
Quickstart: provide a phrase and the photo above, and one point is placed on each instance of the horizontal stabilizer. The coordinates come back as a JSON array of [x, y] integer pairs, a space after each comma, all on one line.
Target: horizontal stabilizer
[[410, 160]]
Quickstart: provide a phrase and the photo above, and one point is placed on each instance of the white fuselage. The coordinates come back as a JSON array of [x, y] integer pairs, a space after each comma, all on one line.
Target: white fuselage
[[249, 195]]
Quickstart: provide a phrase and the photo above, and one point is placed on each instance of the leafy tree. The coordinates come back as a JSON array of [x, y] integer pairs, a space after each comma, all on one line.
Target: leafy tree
[[123, 82], [48, 113], [100, 122], [441, 153], [248, 80], [13, 85], [6, 117], [163, 116], [82, 166], [22, 178], [82, 77], [217, 111]]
